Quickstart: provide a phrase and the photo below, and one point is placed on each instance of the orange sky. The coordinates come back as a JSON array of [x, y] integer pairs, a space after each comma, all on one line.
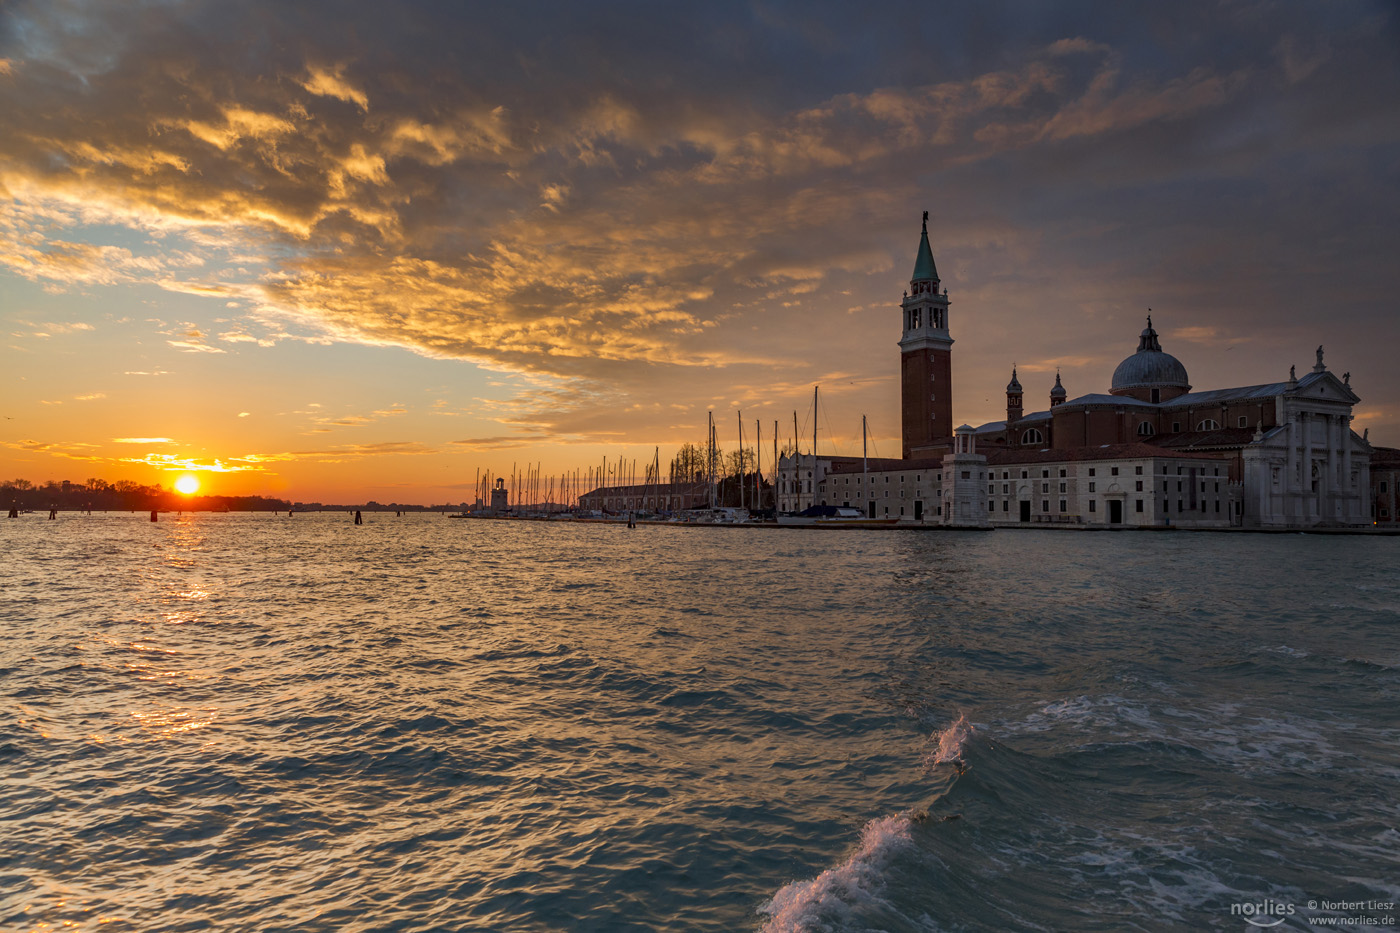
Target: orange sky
[[376, 254]]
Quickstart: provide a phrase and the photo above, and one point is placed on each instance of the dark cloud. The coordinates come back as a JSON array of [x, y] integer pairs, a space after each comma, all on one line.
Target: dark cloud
[[653, 203]]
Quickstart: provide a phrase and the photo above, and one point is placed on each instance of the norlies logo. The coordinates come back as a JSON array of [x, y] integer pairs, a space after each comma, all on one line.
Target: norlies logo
[[1265, 913]]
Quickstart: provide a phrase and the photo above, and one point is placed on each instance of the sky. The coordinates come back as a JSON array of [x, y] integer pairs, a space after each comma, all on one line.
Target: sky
[[340, 251]]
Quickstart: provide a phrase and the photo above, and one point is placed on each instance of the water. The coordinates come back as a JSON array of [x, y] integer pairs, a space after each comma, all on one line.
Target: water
[[256, 722]]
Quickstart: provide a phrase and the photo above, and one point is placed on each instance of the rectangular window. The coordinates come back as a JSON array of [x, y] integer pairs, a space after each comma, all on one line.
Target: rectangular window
[[1062, 487], [967, 474], [1044, 487], [1176, 426], [1139, 485], [1044, 474], [991, 505], [1024, 474], [1166, 506], [1006, 506], [1139, 505], [1244, 421], [1091, 487], [1178, 485], [991, 490], [1064, 506], [1114, 471], [1044, 505], [1137, 471], [1062, 474], [1092, 505], [1217, 505], [1382, 485], [1006, 489], [1091, 471]]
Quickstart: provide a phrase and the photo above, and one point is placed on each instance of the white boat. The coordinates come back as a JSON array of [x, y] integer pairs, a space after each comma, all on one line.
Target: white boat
[[720, 515]]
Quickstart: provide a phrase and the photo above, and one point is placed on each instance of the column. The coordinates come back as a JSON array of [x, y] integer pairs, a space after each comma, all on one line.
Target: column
[[1291, 473], [1346, 453], [1305, 475]]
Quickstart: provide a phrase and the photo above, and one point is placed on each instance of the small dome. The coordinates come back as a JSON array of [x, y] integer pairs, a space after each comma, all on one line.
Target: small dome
[[1150, 367], [1059, 390], [1015, 384]]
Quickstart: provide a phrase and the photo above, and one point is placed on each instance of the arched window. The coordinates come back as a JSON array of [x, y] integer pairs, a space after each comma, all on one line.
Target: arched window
[[1032, 436], [1210, 424], [1146, 429]]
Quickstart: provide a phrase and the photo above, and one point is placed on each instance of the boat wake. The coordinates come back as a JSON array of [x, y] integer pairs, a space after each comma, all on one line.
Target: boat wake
[[827, 902]]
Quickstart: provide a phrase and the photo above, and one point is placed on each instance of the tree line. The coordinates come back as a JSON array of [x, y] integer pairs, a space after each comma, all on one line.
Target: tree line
[[98, 495]]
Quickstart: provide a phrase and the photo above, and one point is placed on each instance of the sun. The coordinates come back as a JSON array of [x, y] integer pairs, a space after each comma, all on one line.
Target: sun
[[187, 484]]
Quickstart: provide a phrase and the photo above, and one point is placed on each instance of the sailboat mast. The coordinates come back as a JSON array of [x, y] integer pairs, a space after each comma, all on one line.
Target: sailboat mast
[[710, 458], [740, 477], [796, 462], [758, 464]]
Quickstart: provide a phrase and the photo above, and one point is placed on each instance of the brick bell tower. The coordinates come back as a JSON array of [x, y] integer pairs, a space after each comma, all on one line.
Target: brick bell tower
[[926, 358]]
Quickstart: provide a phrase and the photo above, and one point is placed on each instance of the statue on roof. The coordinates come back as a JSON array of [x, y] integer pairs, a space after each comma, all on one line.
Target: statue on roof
[[1319, 368]]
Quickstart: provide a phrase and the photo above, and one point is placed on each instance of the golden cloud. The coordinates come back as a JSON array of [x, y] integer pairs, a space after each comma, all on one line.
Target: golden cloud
[[330, 82]]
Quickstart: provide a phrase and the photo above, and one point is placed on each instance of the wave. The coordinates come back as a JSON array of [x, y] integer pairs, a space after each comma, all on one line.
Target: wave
[[950, 744], [826, 901], [811, 906]]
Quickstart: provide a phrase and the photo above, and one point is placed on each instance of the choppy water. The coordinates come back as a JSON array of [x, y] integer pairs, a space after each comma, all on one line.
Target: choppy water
[[251, 722]]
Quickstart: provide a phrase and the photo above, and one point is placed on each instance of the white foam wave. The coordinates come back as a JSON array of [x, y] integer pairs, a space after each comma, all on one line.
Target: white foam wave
[[823, 902], [950, 741], [1287, 651]]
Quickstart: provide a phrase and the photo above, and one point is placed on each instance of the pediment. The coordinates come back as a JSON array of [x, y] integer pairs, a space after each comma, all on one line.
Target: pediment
[[1325, 387]]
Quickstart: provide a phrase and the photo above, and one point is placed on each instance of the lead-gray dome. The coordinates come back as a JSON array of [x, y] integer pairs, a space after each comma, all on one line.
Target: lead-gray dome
[[1150, 367]]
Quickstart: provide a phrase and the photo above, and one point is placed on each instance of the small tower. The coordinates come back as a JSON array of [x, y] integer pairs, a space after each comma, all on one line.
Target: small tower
[[1013, 400], [965, 483], [500, 497], [1057, 394], [925, 347]]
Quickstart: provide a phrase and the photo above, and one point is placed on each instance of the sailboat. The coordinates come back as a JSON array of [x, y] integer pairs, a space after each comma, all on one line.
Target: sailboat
[[841, 516]]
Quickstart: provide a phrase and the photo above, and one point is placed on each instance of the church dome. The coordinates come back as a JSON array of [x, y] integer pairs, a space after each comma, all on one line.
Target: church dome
[[1150, 367]]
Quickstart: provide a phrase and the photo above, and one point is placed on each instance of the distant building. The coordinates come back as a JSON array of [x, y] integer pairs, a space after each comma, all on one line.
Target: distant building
[[1150, 451], [653, 497]]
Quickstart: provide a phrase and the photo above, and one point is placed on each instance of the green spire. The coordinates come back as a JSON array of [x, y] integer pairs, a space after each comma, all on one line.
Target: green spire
[[924, 268]]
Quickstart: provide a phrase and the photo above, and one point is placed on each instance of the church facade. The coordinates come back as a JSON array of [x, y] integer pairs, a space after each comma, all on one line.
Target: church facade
[[1150, 451]]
